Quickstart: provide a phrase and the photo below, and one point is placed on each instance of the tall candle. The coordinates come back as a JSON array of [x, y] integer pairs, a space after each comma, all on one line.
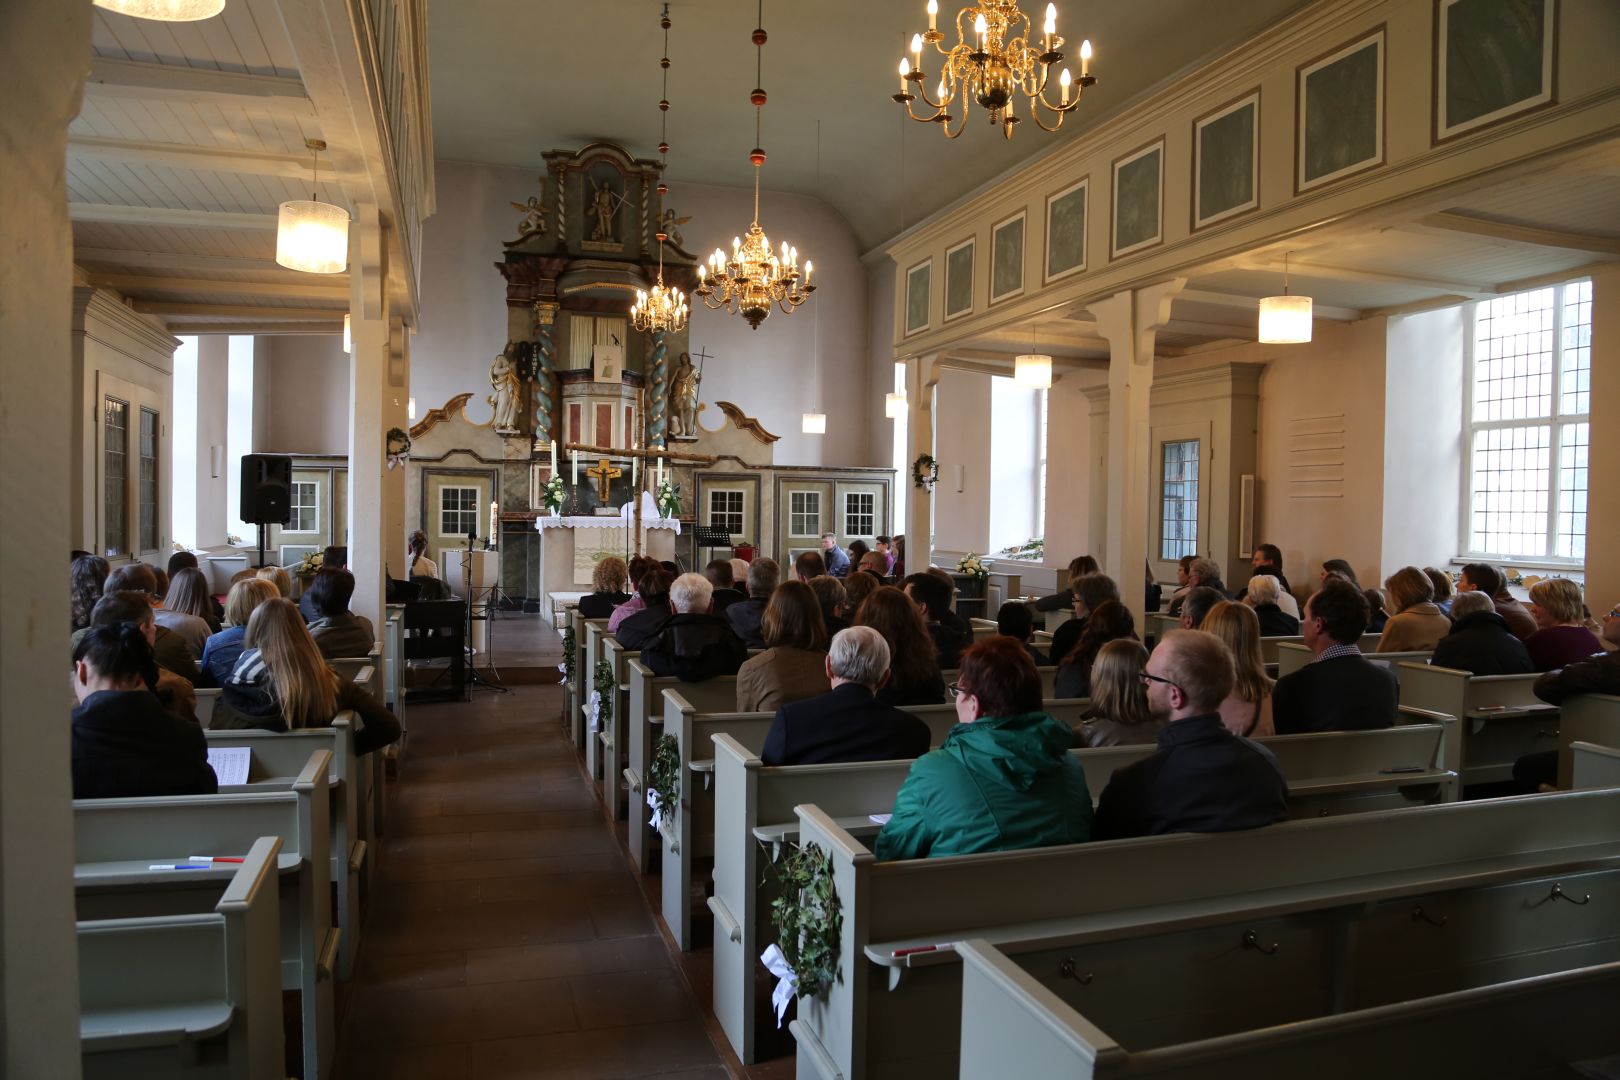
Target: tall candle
[[634, 472], [575, 456], [660, 472]]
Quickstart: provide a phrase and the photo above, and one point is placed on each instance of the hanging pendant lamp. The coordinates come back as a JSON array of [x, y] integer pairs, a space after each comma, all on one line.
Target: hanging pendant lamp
[[894, 406], [164, 10], [311, 235], [1285, 319]]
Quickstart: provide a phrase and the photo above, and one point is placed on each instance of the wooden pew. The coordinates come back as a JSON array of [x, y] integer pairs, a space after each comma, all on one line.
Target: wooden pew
[[188, 994], [575, 695], [1293, 654], [1533, 1026], [1594, 766], [1048, 676], [117, 840], [278, 757], [611, 736], [207, 698], [1329, 772], [393, 676], [1501, 718], [1589, 718], [1155, 624], [1338, 889], [590, 653]]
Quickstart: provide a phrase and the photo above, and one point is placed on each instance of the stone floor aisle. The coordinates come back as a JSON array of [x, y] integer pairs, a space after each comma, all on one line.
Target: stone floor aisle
[[508, 936]]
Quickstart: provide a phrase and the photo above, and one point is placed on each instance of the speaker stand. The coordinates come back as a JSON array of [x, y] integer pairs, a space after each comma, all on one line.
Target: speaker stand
[[264, 533]]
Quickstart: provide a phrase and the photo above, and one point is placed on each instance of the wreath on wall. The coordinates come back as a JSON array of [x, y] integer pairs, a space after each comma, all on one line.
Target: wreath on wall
[[397, 445], [808, 918], [606, 686], [925, 472], [664, 779], [570, 645]]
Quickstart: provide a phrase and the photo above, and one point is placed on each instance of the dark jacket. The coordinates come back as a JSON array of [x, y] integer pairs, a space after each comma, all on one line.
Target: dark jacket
[[220, 655], [1203, 779], [848, 723], [694, 647], [1058, 601], [125, 745], [600, 605], [927, 690], [1072, 681], [1519, 620], [1347, 693], [343, 637], [1275, 622], [306, 607], [999, 784], [949, 642], [173, 654], [1483, 644], [1036, 655], [246, 700], [744, 620], [1598, 675], [1153, 598], [1065, 638], [724, 598], [636, 631], [1558, 646]]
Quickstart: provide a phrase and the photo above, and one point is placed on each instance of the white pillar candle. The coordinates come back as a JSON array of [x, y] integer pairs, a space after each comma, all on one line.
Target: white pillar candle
[[575, 455]]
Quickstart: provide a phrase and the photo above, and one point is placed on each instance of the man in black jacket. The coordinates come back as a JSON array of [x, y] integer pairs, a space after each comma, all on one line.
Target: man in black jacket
[[848, 723], [1202, 778], [933, 598], [1339, 690], [744, 618], [1264, 589], [693, 645], [1480, 640], [725, 591]]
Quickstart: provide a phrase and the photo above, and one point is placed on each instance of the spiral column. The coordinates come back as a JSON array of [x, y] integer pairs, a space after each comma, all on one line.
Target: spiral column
[[545, 367], [658, 404]]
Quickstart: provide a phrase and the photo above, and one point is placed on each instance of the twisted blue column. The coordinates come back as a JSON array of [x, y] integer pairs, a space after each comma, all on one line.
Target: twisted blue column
[[545, 367]]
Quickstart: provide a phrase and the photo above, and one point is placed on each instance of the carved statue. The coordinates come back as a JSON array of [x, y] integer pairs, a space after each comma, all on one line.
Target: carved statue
[[683, 396], [668, 225], [508, 391], [603, 205], [534, 219]]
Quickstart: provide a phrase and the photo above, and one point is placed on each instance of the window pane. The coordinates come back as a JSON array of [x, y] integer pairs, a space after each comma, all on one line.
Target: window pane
[[1513, 357], [1576, 370], [805, 513], [458, 511], [1510, 490], [305, 510], [149, 480], [115, 477], [1572, 448], [726, 511], [860, 513], [1178, 520]]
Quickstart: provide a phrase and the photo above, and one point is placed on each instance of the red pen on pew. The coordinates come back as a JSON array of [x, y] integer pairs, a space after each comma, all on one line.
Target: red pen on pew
[[215, 858], [920, 949]]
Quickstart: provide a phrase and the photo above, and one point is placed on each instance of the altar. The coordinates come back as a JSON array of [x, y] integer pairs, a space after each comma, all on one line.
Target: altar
[[571, 546]]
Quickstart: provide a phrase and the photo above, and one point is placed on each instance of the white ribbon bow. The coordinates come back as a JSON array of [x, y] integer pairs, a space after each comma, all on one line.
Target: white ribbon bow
[[787, 983], [652, 804], [593, 706]]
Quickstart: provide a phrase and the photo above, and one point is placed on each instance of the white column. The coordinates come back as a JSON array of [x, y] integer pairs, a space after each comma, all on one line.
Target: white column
[[922, 376], [1130, 321], [1603, 493], [395, 404], [44, 57], [369, 393]]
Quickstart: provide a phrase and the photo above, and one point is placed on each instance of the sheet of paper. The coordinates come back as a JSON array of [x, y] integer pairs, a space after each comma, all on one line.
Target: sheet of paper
[[230, 763], [879, 819]]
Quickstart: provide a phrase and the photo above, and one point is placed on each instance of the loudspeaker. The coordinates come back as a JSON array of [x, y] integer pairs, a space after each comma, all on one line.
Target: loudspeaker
[[266, 494]]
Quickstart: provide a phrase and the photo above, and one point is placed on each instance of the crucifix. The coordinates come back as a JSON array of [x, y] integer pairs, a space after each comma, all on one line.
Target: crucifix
[[604, 474]]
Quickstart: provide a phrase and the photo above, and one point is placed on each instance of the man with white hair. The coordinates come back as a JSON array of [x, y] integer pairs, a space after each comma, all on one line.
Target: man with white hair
[[848, 723], [1262, 595], [694, 644]]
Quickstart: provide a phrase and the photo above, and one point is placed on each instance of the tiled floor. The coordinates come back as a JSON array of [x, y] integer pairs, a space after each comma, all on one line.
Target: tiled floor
[[508, 936]]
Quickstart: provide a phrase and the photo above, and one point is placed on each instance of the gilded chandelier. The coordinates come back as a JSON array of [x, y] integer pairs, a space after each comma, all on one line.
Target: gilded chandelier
[[664, 309], [755, 278], [996, 58]]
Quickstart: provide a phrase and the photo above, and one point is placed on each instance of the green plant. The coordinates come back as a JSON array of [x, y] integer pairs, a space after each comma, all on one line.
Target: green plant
[[669, 499], [606, 687], [552, 494], [1033, 550], [808, 918], [925, 471], [570, 653], [664, 777]]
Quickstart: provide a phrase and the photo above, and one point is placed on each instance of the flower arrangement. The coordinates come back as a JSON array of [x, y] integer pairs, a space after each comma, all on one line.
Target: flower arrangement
[[310, 565], [925, 472], [808, 919], [664, 779], [972, 566], [553, 494], [606, 688], [669, 499], [570, 654], [1029, 551]]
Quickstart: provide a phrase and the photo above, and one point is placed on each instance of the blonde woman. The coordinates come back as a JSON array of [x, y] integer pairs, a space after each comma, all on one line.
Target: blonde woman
[[1119, 714], [280, 578], [1561, 636], [224, 649], [1415, 623], [1247, 709], [282, 683]]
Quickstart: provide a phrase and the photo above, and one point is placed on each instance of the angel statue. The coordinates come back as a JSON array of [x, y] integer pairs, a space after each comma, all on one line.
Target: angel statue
[[683, 394], [669, 226], [506, 399], [534, 219]]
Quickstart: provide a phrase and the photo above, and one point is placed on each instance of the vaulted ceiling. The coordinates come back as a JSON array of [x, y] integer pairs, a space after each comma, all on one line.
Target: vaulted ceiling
[[512, 80]]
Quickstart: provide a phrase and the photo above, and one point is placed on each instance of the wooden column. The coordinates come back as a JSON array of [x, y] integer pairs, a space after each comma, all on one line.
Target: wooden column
[[1130, 321], [369, 393], [44, 58], [395, 415], [1603, 493], [922, 375]]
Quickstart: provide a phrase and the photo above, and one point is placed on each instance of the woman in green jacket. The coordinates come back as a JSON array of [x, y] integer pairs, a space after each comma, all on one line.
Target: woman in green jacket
[[1004, 778]]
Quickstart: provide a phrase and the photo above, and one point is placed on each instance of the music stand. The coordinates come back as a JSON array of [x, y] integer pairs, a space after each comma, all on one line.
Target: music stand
[[475, 681], [711, 537]]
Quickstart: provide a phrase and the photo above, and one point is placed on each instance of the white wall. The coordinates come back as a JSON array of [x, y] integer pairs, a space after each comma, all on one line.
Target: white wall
[[1014, 464], [962, 439], [767, 372], [1423, 396], [1068, 467], [213, 422], [308, 402], [183, 473]]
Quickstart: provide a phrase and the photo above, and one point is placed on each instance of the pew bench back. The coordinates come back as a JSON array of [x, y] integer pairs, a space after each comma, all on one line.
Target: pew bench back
[[1589, 718], [1500, 718]]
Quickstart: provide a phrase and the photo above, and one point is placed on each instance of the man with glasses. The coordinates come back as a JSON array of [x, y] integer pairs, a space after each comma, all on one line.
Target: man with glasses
[[1339, 690], [1202, 778]]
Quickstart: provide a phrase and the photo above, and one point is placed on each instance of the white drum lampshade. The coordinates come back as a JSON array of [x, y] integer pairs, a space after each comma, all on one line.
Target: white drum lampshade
[[1033, 370], [815, 423], [894, 406], [313, 236], [348, 342], [165, 10], [1285, 320]]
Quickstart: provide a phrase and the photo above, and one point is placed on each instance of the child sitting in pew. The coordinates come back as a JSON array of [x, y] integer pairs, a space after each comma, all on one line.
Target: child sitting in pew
[[281, 683], [125, 743]]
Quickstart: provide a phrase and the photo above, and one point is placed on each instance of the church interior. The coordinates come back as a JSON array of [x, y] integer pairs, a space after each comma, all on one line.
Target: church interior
[[508, 473]]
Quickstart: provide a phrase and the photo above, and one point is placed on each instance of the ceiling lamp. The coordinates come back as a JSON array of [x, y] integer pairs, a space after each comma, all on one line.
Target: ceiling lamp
[[815, 423], [1033, 370], [348, 342], [1285, 319], [894, 406], [164, 10], [311, 235], [664, 309], [754, 279], [992, 62]]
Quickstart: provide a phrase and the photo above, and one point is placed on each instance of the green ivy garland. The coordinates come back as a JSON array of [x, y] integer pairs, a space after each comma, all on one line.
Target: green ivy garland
[[808, 918], [570, 653], [606, 687], [925, 471], [664, 776]]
